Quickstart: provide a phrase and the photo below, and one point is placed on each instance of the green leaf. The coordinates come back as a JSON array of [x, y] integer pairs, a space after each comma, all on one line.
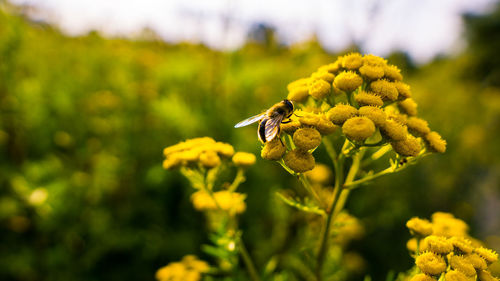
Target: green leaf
[[305, 206]]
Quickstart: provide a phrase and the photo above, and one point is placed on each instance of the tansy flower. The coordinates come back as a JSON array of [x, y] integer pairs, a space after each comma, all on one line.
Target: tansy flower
[[340, 113], [408, 106], [308, 118], [488, 255], [193, 263], [438, 244], [445, 224], [188, 144], [319, 89], [352, 61], [358, 128], [189, 269], [298, 83], [368, 98], [417, 126], [290, 127], [299, 161], [306, 138], [209, 159], [392, 72], [420, 227], [484, 275], [323, 75], [398, 117], [371, 72], [454, 275], [332, 67], [422, 277], [224, 149], [394, 130], [385, 89], [376, 114], [298, 94], [477, 262], [435, 142], [431, 263], [403, 89], [325, 126], [407, 147], [243, 159], [320, 174], [347, 81], [461, 264], [374, 60], [273, 150], [231, 202], [461, 245]]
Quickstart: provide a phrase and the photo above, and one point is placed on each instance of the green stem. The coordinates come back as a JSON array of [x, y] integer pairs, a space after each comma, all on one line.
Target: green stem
[[307, 185], [248, 261], [240, 177]]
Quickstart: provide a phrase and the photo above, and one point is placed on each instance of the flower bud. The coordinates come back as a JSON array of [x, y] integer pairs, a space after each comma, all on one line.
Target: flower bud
[[243, 159], [209, 159], [299, 161], [385, 89], [352, 61], [403, 89], [358, 128], [393, 73], [431, 263], [368, 98], [435, 142], [298, 94], [306, 138], [394, 130], [407, 147], [371, 72], [408, 106], [319, 89], [273, 150], [340, 113], [348, 81], [417, 126]]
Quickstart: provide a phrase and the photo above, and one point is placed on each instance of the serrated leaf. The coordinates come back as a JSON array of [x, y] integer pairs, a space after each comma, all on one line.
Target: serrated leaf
[[305, 206]]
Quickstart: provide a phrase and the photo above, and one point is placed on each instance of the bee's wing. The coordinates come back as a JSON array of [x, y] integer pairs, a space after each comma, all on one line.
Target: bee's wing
[[273, 127], [250, 120]]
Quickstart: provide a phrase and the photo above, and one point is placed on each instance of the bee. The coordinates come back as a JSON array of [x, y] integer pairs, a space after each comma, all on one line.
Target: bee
[[270, 120]]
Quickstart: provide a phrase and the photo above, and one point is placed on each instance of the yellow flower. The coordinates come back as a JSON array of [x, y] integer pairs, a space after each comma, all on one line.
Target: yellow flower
[[319, 89], [189, 269], [445, 224], [461, 245], [385, 89], [435, 142], [306, 138], [332, 67], [172, 163], [374, 60], [298, 83], [462, 264], [431, 263], [396, 116], [291, 126], [273, 150], [371, 71], [418, 126], [411, 245], [188, 144], [243, 159], [175, 271], [392, 72], [407, 147], [488, 255], [299, 161], [403, 89], [298, 94], [477, 261], [352, 61], [376, 114], [438, 244], [408, 106], [421, 227], [484, 275], [223, 149], [231, 202], [193, 263], [368, 98], [358, 128], [394, 130], [454, 275], [323, 75], [340, 113], [348, 81], [325, 126], [321, 174], [209, 159], [422, 277]]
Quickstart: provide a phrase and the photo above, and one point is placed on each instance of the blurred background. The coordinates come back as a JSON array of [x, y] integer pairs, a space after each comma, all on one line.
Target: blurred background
[[92, 91]]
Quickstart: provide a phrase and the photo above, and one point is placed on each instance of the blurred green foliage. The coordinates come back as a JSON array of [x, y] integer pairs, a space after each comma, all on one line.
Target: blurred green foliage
[[83, 121]]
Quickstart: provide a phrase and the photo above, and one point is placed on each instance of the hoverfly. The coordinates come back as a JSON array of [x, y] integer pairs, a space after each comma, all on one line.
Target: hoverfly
[[270, 120]]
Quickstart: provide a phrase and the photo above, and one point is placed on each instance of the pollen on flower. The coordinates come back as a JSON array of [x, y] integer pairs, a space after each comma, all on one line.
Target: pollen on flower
[[374, 60], [403, 89], [243, 159], [461, 245], [420, 227], [298, 93], [455, 275], [398, 117], [358, 128], [417, 126], [273, 150], [431, 263], [407, 147], [368, 98], [477, 261], [352, 61], [348, 81], [325, 126], [376, 114], [408, 106], [319, 89], [321, 174], [438, 244], [291, 126], [394, 130], [340, 113], [385, 89], [299, 161], [306, 138], [422, 277], [461, 264], [435, 142], [488, 255], [371, 72], [392, 72]]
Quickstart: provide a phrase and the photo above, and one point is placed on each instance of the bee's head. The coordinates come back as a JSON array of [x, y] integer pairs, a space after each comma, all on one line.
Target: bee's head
[[289, 104]]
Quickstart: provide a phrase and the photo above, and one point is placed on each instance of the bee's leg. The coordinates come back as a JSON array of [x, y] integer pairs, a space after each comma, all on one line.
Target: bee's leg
[[287, 121], [297, 115]]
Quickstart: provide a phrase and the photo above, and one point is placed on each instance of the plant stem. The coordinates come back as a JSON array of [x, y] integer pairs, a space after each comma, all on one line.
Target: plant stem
[[240, 177], [307, 185], [248, 261]]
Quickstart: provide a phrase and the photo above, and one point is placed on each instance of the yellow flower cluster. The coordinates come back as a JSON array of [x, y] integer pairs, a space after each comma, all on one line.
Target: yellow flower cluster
[[444, 248], [231, 202], [190, 268], [378, 103], [204, 151]]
